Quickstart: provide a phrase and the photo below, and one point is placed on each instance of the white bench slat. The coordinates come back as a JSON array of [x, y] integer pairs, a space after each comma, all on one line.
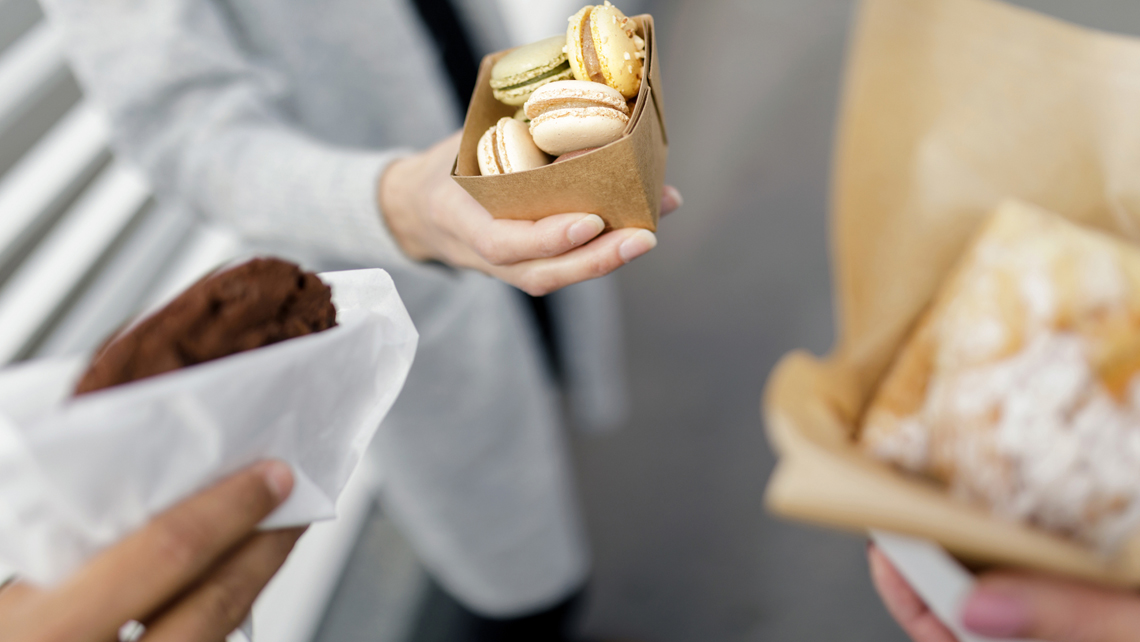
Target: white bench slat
[[208, 247], [58, 265], [120, 288], [48, 173], [16, 17], [27, 69], [291, 607]]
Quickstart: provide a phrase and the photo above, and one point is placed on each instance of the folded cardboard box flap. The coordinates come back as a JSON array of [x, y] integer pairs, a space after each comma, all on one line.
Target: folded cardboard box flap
[[620, 182], [951, 107]]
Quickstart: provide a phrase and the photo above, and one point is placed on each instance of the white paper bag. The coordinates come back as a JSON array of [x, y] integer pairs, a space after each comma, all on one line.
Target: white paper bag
[[76, 475]]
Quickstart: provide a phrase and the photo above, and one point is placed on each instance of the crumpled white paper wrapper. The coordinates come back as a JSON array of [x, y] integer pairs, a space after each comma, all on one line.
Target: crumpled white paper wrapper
[[76, 475]]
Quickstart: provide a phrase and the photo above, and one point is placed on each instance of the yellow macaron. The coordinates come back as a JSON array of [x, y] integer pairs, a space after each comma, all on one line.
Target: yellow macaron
[[604, 47]]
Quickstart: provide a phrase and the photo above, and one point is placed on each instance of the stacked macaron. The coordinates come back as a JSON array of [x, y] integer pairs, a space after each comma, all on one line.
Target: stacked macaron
[[575, 91], [517, 74], [604, 48], [573, 115], [508, 147]]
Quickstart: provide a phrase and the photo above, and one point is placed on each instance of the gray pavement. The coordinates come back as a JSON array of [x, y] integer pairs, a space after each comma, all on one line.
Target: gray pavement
[[684, 550]]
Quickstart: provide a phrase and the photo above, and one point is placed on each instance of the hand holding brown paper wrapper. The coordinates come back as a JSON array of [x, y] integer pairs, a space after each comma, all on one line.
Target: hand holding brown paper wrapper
[[951, 108]]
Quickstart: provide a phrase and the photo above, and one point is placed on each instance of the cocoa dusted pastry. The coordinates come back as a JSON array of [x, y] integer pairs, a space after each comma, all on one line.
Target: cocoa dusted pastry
[[251, 305]]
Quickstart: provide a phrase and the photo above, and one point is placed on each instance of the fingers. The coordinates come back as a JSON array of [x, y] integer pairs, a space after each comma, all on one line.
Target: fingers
[[506, 242], [903, 603], [502, 242], [221, 601], [1016, 606], [16, 599], [1007, 605], [604, 255], [671, 200], [141, 573]]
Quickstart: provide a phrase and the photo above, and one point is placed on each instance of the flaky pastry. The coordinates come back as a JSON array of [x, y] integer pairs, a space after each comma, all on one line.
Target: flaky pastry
[[1018, 388]]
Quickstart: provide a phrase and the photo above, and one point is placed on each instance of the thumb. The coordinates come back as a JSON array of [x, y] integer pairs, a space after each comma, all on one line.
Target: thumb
[[1006, 605]]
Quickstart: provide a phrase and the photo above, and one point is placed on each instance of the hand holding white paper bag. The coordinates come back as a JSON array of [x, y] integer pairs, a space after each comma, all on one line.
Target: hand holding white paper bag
[[78, 474]]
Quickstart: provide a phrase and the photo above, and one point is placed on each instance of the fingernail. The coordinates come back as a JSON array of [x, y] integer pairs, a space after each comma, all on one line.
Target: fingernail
[[676, 194], [586, 229], [995, 615], [637, 244], [279, 478]]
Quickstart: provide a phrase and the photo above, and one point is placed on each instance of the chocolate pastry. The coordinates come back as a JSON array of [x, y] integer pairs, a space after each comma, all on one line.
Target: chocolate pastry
[[248, 306]]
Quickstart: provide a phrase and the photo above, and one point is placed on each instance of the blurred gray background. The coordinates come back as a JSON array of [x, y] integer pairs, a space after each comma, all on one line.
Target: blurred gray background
[[684, 550]]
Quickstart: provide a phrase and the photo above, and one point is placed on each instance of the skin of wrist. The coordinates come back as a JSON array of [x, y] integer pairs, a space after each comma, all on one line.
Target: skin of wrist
[[396, 198]]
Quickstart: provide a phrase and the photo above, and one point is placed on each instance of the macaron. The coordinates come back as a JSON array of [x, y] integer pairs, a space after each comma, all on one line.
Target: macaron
[[507, 147], [603, 47], [570, 115], [527, 68]]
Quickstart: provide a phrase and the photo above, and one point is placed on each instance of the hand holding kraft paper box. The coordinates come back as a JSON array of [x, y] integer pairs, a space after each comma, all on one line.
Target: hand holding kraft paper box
[[955, 110], [620, 180]]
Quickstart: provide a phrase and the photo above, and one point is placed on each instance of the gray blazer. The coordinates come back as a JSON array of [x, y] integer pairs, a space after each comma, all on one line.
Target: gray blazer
[[276, 118]]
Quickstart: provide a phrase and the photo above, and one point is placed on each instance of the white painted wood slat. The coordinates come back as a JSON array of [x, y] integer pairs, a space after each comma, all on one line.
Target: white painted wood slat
[[121, 286], [16, 17], [59, 264], [292, 605], [208, 247], [27, 69], [48, 172]]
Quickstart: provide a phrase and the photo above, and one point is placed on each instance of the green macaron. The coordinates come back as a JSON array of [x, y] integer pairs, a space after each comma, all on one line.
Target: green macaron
[[517, 74]]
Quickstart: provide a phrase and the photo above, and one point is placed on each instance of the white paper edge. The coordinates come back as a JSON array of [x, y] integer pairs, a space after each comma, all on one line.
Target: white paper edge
[[941, 582], [293, 605]]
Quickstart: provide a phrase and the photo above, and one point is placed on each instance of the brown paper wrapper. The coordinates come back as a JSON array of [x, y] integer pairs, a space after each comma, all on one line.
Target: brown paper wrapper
[[950, 108], [620, 182]]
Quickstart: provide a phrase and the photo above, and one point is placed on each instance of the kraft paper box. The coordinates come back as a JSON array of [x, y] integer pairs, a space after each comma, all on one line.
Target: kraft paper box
[[951, 107], [620, 182]]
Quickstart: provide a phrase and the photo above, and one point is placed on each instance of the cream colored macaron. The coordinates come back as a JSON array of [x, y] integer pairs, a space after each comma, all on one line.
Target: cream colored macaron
[[507, 147], [570, 115], [603, 47]]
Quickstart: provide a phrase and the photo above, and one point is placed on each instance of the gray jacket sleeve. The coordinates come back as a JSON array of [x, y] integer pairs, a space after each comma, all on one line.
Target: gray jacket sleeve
[[201, 119]]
